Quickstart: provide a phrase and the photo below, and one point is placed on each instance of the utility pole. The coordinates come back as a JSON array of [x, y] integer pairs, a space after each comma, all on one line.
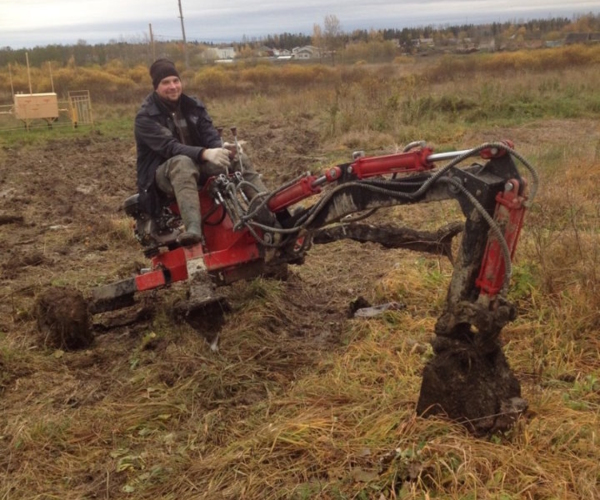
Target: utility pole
[[183, 33], [28, 73], [12, 88], [51, 78], [152, 43]]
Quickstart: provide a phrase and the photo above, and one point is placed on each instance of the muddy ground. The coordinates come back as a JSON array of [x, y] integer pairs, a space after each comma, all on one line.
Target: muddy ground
[[62, 225]]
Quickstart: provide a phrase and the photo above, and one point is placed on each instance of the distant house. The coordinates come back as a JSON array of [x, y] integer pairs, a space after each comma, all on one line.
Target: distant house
[[220, 53], [467, 43], [226, 52], [423, 42], [283, 55], [265, 51], [488, 45], [582, 38], [306, 52]]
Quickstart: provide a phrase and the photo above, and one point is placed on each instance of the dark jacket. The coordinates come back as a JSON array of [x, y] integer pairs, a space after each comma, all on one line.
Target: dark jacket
[[157, 140]]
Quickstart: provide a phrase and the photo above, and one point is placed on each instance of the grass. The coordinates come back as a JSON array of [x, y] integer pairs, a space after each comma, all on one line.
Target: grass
[[283, 413], [443, 96]]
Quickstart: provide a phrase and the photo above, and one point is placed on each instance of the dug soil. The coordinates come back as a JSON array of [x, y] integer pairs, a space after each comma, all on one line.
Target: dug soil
[[62, 228], [63, 231]]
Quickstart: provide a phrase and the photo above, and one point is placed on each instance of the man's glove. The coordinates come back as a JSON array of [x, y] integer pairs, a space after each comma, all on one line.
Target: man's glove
[[218, 156]]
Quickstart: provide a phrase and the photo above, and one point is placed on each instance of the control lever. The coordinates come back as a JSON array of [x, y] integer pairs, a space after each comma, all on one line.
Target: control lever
[[220, 131], [237, 148]]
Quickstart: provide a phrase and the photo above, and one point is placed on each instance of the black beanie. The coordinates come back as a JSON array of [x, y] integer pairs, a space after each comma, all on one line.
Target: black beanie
[[161, 68]]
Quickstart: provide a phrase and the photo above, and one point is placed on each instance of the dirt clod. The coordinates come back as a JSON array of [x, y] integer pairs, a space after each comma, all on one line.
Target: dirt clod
[[11, 219], [63, 320], [475, 388]]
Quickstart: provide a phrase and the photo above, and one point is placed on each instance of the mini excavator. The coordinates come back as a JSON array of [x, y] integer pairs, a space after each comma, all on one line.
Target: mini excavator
[[243, 238]]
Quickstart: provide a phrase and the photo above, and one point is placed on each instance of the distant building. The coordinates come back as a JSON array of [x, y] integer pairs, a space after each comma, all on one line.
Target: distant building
[[283, 55], [306, 52], [265, 51], [220, 53], [488, 45], [423, 42], [594, 38], [582, 38]]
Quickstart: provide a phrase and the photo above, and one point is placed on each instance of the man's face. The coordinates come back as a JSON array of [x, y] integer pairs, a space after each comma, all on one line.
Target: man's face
[[169, 88]]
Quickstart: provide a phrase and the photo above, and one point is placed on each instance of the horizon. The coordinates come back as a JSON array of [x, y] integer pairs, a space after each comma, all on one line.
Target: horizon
[[70, 25]]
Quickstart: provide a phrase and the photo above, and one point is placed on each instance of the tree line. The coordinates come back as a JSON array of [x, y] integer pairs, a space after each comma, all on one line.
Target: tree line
[[330, 37]]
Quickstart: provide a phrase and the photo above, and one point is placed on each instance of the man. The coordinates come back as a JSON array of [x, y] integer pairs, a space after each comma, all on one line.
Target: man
[[178, 149]]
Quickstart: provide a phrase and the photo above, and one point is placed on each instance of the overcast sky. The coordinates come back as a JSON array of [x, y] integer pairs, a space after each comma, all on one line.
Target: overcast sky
[[27, 23]]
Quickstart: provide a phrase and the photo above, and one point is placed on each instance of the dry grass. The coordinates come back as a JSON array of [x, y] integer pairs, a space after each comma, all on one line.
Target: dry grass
[[514, 63], [302, 402]]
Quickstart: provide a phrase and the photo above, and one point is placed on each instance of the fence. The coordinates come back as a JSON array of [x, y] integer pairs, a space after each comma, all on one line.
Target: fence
[[74, 112], [80, 108]]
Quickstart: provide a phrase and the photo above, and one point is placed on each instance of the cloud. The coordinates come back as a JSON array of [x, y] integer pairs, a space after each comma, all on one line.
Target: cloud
[[25, 23]]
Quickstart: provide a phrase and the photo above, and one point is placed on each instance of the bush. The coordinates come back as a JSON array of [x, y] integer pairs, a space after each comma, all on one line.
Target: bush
[[102, 85], [452, 67], [214, 81]]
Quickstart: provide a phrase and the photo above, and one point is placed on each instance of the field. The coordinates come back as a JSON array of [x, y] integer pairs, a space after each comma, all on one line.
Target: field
[[303, 401]]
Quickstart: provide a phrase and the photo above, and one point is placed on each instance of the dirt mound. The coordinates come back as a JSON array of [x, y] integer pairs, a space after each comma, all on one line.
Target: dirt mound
[[63, 319], [474, 387]]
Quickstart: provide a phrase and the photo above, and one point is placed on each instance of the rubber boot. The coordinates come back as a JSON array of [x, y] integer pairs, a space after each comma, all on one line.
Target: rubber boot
[[186, 194]]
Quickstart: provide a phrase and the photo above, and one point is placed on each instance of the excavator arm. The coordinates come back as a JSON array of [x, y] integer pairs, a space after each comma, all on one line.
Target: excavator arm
[[242, 236], [492, 196], [469, 378]]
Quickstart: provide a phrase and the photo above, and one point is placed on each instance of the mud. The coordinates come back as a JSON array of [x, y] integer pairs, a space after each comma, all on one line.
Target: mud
[[470, 386], [65, 233], [63, 319], [207, 319]]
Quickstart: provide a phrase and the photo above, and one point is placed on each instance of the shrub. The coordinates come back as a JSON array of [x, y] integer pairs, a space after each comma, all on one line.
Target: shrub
[[452, 67], [214, 81], [101, 84], [139, 74]]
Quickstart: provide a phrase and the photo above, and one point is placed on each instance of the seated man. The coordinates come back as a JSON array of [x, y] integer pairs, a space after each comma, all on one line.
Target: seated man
[[178, 149]]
